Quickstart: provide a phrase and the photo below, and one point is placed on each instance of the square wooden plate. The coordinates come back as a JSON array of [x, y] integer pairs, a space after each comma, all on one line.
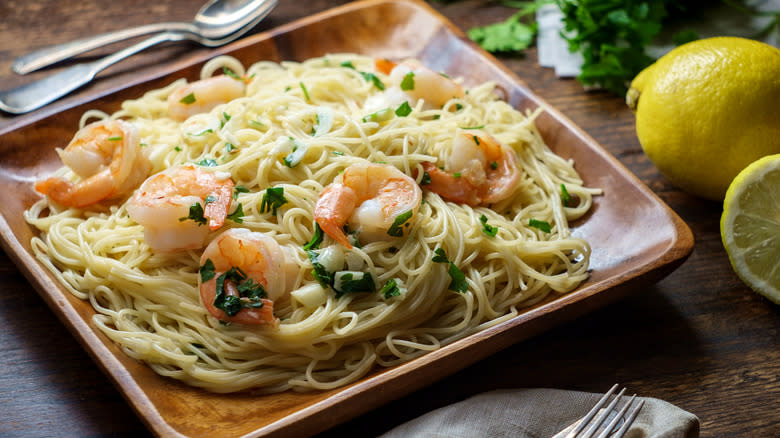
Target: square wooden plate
[[633, 242]]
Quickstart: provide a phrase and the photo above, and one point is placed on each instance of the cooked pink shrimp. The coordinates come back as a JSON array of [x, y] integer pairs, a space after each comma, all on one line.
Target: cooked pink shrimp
[[203, 95], [107, 156], [250, 266], [379, 200], [417, 81], [174, 205], [480, 170]]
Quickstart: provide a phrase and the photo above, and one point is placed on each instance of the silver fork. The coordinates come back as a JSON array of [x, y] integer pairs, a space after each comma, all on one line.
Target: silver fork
[[593, 421]]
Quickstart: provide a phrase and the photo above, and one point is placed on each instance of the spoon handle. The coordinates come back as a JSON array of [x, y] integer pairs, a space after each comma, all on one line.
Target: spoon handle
[[36, 94], [59, 52]]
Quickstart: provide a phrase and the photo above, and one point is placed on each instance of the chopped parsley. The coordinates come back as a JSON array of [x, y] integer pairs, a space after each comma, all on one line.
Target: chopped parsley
[[196, 214], [256, 124], [206, 271], [202, 133], [272, 200], [188, 99], [229, 148], [473, 127], [401, 221], [374, 79], [228, 72], [239, 189], [322, 275], [487, 228], [316, 239], [348, 64], [115, 138], [494, 165], [407, 83], [250, 293], [565, 196], [390, 289], [305, 92], [346, 282], [403, 110], [541, 225], [426, 179], [458, 281], [237, 215]]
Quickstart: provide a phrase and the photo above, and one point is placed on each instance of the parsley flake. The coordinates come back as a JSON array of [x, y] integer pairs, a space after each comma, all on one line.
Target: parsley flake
[[396, 230], [541, 225], [403, 110], [188, 99], [458, 281], [238, 214], [195, 214], [272, 200], [486, 228], [407, 83]]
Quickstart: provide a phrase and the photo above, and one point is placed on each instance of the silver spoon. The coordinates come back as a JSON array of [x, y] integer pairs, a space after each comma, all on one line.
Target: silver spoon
[[215, 20], [36, 94]]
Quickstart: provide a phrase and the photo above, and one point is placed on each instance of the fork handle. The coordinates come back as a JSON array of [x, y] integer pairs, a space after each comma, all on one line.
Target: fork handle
[[36, 94], [59, 52]]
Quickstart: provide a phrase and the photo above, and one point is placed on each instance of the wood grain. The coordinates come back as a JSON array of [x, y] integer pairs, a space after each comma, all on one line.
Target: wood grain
[[699, 338]]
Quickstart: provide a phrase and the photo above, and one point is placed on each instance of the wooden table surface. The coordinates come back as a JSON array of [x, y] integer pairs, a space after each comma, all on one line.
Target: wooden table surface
[[699, 339]]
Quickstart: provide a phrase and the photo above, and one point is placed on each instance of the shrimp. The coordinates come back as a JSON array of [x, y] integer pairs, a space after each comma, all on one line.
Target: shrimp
[[203, 95], [253, 269], [380, 200], [481, 171], [107, 156], [415, 81], [174, 205]]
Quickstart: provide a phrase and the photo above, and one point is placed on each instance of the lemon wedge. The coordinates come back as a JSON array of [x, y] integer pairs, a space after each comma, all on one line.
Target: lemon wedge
[[750, 226]]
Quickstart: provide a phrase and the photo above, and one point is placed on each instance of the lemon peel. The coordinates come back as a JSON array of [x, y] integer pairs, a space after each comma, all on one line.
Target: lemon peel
[[707, 109]]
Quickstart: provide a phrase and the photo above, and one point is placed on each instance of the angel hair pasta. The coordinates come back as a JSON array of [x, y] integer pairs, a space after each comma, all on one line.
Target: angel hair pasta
[[293, 225]]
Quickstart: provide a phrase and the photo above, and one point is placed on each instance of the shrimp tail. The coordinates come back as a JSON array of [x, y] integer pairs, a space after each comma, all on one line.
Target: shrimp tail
[[64, 192], [449, 187], [217, 211], [331, 212]]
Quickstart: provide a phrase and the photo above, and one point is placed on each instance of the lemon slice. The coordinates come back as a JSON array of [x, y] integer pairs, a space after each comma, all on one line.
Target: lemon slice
[[750, 226]]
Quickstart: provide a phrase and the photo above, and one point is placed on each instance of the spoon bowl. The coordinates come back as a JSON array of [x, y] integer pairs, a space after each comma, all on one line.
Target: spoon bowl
[[215, 20], [34, 95]]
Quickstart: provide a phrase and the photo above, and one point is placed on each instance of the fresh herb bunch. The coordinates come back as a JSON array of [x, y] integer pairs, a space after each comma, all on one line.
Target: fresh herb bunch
[[611, 35]]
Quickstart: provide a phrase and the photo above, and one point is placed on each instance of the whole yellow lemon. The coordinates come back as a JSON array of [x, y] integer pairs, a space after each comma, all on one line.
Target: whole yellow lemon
[[707, 109]]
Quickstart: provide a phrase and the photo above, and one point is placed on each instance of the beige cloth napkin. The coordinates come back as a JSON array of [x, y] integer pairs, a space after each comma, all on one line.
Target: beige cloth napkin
[[539, 413]]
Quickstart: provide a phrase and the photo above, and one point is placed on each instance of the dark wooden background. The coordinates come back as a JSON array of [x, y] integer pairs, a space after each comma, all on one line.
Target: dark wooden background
[[699, 339]]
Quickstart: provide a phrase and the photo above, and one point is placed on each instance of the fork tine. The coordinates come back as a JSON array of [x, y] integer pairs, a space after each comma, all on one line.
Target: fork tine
[[603, 416], [592, 413], [631, 417], [605, 433]]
